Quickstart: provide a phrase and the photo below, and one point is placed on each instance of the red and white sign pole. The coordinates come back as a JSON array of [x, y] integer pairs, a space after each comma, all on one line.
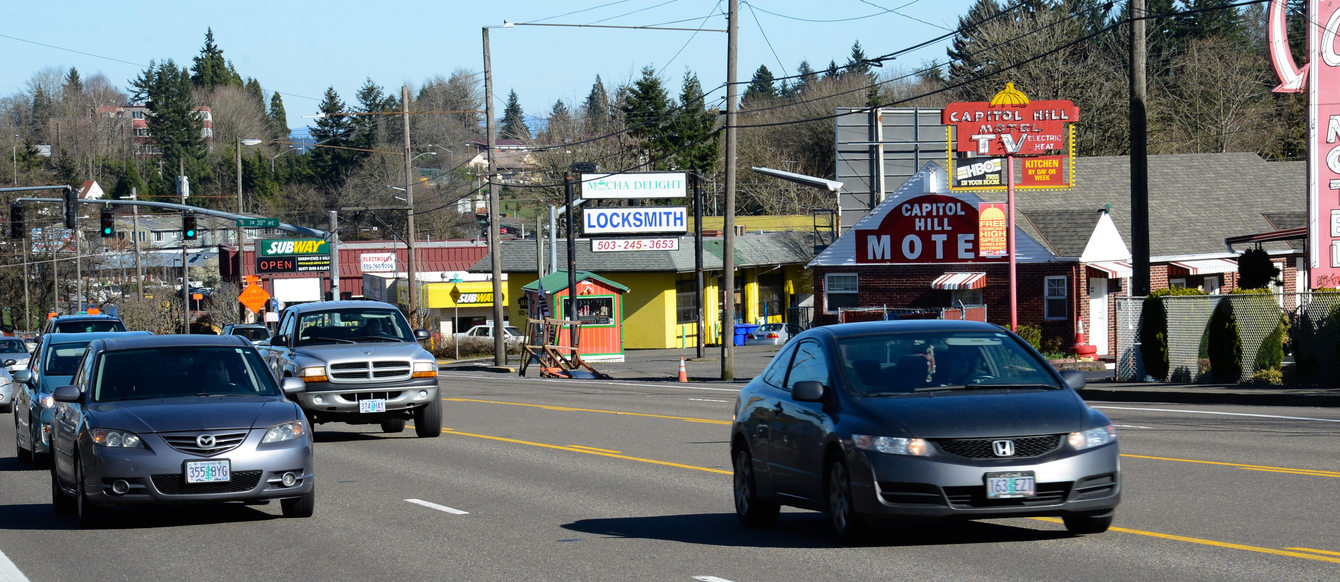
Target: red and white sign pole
[[1009, 242]]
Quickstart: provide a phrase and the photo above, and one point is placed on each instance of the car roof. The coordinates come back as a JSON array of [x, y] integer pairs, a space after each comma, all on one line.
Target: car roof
[[246, 326], [78, 316], [137, 341], [841, 330], [344, 304], [67, 337]]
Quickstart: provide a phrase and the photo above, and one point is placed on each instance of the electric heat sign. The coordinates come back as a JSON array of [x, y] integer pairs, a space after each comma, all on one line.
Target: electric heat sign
[[925, 229], [1033, 128]]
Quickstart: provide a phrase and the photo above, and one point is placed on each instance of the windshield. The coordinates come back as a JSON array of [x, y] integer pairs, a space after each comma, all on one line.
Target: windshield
[[62, 359], [354, 325], [9, 346], [927, 361], [180, 371], [88, 326], [252, 333]]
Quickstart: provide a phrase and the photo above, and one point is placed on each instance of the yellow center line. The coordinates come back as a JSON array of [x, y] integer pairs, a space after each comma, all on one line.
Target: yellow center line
[[587, 450], [1314, 550], [1205, 542], [569, 409], [1313, 472]]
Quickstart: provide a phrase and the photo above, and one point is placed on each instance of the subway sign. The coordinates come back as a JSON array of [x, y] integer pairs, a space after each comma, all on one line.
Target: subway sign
[[294, 247]]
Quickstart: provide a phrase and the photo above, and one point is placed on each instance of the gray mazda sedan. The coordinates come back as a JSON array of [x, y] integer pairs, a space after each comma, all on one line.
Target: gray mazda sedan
[[889, 420], [178, 418]]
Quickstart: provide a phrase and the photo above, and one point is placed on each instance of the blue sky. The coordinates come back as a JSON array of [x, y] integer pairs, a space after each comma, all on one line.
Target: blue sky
[[300, 48]]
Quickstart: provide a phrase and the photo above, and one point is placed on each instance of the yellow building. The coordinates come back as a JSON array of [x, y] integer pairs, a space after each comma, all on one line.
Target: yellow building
[[659, 308]]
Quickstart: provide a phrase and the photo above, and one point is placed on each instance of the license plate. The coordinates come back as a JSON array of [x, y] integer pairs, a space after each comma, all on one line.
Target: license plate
[[1010, 485], [372, 405], [208, 471]]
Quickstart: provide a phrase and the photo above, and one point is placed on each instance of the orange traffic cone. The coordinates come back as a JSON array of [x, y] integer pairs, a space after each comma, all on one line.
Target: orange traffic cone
[[683, 374]]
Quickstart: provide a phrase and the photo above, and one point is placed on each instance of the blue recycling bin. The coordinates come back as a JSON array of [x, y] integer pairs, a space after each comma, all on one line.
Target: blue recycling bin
[[742, 331]]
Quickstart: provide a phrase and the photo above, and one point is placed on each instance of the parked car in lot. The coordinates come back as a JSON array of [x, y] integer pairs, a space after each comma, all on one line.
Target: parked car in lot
[[511, 335], [52, 365], [82, 323], [361, 364], [771, 334], [253, 331], [178, 418], [920, 419]]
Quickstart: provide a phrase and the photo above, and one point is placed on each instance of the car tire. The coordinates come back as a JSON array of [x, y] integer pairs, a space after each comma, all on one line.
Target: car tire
[[847, 526], [1089, 523], [25, 456], [89, 514], [302, 506], [393, 425], [749, 509], [428, 419], [60, 503]]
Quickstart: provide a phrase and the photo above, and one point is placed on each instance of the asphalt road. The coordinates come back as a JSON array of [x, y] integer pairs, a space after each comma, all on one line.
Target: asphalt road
[[537, 479]]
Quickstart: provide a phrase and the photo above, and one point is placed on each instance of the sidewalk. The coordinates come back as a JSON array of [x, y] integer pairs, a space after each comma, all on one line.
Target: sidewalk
[[662, 365]]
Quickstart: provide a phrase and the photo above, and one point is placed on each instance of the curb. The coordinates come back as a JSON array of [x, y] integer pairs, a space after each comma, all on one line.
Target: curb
[[1255, 398]]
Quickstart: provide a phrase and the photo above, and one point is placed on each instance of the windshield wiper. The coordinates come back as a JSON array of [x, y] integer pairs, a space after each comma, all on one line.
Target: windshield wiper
[[986, 387], [321, 338]]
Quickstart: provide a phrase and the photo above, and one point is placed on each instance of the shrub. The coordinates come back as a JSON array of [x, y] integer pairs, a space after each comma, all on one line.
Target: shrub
[[1225, 344], [1268, 377], [1031, 334], [1154, 330]]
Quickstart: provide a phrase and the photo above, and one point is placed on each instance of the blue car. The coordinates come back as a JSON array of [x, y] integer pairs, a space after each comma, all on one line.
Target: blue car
[[51, 366]]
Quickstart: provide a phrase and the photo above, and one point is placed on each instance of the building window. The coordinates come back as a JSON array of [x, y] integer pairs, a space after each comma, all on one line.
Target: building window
[[158, 237], [965, 297], [686, 300], [1212, 285], [1055, 298], [1177, 283], [840, 290]]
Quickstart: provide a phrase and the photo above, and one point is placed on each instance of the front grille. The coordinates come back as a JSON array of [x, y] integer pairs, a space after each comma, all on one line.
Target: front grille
[[354, 397], [370, 370], [975, 496], [1024, 447], [911, 493], [186, 442], [1095, 487], [175, 484]]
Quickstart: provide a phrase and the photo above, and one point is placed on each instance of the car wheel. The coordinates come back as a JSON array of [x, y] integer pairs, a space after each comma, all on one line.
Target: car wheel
[[428, 420], [393, 425], [25, 456], [87, 512], [301, 506], [841, 514], [60, 503], [749, 509], [1092, 523]]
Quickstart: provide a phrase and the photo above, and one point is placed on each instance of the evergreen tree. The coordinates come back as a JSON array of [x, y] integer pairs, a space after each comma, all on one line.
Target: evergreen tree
[[857, 64], [74, 86], [647, 114], [964, 62], [210, 70], [129, 181], [44, 108], [332, 163], [513, 120], [804, 76], [174, 125], [596, 110], [692, 134], [372, 128], [760, 87], [253, 88], [562, 127], [832, 71], [278, 117]]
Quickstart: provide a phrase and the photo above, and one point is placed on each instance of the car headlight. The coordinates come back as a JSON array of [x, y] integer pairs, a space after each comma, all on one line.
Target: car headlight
[[1093, 437], [285, 432], [313, 374], [48, 401], [425, 369], [892, 445], [117, 439]]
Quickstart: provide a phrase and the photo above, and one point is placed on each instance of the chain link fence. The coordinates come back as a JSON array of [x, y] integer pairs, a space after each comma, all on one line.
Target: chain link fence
[[1310, 328]]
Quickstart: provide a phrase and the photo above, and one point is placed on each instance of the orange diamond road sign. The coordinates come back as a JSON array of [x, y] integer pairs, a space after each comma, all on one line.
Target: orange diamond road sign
[[254, 297]]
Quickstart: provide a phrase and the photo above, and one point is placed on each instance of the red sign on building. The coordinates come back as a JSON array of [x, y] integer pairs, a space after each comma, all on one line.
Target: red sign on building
[[1009, 125], [925, 229]]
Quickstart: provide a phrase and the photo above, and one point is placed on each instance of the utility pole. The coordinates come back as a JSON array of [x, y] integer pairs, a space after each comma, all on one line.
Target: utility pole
[[499, 349], [185, 271], [241, 260], [728, 237], [1139, 155], [135, 234], [698, 257], [409, 216], [334, 256]]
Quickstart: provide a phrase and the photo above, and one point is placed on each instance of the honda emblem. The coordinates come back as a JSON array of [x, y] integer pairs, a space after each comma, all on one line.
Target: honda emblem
[[1003, 448]]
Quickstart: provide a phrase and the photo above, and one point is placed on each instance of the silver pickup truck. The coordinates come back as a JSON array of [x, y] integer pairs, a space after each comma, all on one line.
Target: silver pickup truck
[[362, 364]]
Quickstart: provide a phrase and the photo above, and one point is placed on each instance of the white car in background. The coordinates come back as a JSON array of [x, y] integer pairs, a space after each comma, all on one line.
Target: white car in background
[[511, 335], [13, 348]]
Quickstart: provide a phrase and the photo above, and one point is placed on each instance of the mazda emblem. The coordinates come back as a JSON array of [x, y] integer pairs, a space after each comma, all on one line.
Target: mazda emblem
[[1003, 448], [206, 441]]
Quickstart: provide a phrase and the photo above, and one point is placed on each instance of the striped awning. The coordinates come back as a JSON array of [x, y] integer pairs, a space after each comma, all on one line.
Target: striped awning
[[959, 281], [1207, 266], [1114, 269]]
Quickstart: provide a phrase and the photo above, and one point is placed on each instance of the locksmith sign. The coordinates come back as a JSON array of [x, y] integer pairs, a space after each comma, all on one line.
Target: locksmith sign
[[925, 229], [635, 219]]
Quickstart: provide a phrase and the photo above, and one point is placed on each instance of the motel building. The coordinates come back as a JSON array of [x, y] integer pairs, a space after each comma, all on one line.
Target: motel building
[[919, 251]]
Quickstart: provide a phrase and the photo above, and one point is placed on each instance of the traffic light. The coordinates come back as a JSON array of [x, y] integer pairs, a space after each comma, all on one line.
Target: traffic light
[[71, 212], [188, 226], [17, 227], [108, 223]]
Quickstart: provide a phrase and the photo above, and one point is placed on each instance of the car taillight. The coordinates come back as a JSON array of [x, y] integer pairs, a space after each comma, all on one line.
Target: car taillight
[[773, 335]]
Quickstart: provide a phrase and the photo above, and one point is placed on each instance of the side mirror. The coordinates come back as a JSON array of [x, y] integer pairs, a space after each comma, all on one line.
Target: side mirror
[[22, 376], [807, 391], [292, 385], [422, 334], [9, 362], [66, 394], [279, 339], [1073, 378]]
